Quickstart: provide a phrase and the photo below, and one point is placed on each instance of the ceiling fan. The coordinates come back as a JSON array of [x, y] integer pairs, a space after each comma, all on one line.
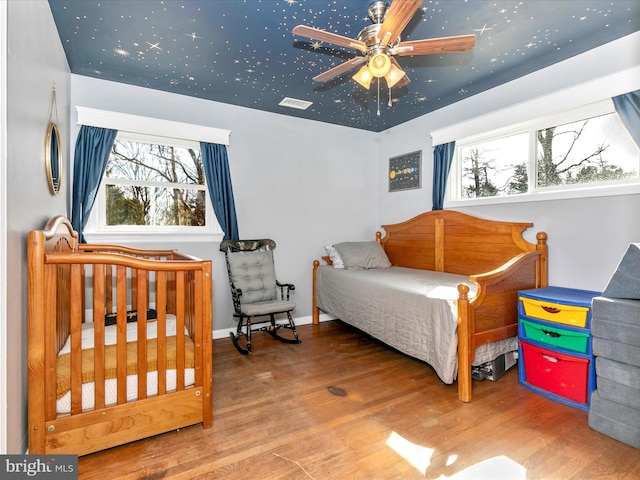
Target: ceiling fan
[[379, 42]]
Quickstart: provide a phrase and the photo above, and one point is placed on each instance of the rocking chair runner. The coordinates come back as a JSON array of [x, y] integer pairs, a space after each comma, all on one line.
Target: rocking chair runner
[[254, 289]]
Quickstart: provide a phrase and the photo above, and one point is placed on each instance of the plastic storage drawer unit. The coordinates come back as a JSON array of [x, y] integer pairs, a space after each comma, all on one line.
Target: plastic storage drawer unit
[[554, 330], [556, 337], [565, 376], [567, 306]]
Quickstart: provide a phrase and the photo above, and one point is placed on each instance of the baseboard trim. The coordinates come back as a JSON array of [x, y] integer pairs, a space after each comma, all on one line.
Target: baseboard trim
[[224, 332]]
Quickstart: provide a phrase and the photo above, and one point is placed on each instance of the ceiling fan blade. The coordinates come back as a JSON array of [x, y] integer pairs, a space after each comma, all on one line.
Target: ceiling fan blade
[[333, 38], [435, 45], [398, 15], [340, 69]]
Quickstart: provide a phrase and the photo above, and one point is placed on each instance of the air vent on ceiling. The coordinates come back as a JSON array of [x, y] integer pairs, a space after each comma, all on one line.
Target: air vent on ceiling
[[295, 103]]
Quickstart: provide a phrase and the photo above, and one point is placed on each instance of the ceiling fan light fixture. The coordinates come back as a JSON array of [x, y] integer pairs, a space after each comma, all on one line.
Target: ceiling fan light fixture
[[364, 77], [394, 76], [379, 65]]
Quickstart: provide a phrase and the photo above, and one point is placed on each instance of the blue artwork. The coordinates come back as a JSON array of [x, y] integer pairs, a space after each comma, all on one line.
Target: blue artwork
[[404, 171]]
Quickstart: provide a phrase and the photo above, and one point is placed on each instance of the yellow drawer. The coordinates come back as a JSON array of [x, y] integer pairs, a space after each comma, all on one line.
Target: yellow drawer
[[555, 312]]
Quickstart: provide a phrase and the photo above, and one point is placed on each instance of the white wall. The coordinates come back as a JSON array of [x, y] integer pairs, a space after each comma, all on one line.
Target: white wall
[[299, 182], [587, 237], [35, 62]]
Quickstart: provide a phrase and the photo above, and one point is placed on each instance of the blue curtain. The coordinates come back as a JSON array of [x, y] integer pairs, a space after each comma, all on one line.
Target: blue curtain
[[216, 170], [90, 160], [628, 108], [442, 157]]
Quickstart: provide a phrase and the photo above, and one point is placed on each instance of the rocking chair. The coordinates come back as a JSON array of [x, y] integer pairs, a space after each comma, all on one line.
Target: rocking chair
[[254, 289]]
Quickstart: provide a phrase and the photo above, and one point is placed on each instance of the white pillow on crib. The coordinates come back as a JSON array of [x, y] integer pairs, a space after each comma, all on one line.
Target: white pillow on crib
[[336, 259], [362, 255]]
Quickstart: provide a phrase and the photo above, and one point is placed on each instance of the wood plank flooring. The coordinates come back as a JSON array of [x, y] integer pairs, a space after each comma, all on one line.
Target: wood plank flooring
[[276, 418]]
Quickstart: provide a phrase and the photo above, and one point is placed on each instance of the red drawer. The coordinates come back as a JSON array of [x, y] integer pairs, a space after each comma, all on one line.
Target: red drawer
[[557, 373]]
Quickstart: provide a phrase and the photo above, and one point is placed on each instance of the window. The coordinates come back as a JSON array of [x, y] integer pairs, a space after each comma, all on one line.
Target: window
[[154, 185], [594, 150], [566, 153], [154, 181], [492, 167]]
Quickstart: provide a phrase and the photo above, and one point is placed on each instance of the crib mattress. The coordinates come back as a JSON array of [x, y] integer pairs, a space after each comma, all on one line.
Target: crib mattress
[[63, 404]]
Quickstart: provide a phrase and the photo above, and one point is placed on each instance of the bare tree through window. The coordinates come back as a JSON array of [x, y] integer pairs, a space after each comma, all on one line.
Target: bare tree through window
[[156, 185], [589, 151]]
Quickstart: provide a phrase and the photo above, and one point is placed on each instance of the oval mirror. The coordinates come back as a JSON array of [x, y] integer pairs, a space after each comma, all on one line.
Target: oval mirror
[[53, 158]]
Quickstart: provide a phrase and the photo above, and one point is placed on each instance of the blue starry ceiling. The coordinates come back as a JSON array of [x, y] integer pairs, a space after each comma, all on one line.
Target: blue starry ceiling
[[243, 52]]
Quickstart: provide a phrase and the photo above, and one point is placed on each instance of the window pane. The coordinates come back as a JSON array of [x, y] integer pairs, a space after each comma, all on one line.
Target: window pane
[[495, 168], [135, 195], [598, 149], [155, 206], [156, 163]]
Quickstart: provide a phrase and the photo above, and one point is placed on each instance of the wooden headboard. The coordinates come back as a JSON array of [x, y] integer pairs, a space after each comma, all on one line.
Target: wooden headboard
[[455, 242]]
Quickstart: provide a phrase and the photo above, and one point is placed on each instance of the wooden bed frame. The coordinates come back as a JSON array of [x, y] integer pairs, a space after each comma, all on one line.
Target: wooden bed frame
[[492, 254], [64, 278]]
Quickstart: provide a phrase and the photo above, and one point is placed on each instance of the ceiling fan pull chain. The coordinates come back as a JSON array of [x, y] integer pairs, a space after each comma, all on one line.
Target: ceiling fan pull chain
[[389, 104], [378, 112]]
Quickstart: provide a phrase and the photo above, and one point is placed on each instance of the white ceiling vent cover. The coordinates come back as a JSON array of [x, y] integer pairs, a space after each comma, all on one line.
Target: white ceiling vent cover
[[295, 103]]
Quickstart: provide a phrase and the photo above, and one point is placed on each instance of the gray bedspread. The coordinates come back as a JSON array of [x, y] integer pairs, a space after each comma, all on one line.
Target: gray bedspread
[[413, 311]]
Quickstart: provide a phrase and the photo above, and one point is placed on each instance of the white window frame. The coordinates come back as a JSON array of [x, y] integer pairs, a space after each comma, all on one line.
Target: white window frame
[[584, 101], [154, 131]]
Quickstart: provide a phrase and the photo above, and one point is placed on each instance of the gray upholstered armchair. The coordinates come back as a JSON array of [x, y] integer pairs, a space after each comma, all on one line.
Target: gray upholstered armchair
[[257, 296]]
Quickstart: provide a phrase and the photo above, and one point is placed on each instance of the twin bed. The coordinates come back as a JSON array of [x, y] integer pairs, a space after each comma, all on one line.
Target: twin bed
[[119, 342], [441, 287]]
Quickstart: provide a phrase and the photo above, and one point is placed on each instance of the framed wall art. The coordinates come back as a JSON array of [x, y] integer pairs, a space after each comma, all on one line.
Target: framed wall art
[[405, 171]]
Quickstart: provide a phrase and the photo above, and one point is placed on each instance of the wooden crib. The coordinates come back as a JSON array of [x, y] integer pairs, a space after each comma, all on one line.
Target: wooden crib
[[104, 297]]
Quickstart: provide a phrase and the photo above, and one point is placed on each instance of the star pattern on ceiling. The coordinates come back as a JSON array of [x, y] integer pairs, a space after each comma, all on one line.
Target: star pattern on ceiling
[[243, 52]]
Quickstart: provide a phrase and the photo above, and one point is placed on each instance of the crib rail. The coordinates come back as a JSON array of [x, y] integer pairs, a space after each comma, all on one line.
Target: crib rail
[[121, 284]]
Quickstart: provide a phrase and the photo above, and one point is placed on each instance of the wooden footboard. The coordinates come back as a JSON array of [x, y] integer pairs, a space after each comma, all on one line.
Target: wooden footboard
[[493, 254], [73, 285], [492, 314]]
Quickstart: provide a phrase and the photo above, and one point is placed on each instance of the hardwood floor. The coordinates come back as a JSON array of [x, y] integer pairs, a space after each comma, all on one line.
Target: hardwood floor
[[276, 418]]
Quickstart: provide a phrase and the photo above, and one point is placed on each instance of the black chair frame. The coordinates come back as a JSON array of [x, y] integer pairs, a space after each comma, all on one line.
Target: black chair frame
[[253, 322]]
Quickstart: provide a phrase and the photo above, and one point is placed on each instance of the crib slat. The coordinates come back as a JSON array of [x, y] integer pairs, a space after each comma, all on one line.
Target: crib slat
[[180, 306], [161, 307], [61, 307], [142, 285], [196, 333], [50, 338], [189, 303], [121, 328], [98, 332], [76, 292]]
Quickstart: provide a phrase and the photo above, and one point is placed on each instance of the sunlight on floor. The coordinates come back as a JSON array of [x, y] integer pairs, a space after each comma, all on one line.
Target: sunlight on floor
[[496, 468], [419, 457]]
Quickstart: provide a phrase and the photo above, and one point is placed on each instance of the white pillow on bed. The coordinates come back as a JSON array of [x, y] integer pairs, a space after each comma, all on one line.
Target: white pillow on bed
[[362, 255], [336, 259]]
